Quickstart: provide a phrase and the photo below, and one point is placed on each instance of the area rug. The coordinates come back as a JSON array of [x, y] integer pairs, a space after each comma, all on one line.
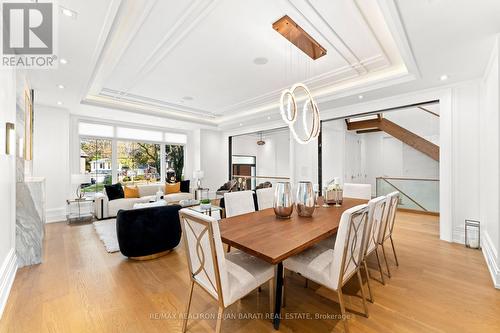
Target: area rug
[[106, 230]]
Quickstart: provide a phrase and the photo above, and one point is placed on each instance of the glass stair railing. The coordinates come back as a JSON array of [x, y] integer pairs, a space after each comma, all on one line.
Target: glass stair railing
[[415, 194]]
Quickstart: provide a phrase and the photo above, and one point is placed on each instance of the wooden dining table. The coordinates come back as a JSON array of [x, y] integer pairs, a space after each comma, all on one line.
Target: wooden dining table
[[273, 240]]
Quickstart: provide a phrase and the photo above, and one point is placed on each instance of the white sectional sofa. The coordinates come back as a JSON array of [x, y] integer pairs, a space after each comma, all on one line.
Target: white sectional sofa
[[105, 208]]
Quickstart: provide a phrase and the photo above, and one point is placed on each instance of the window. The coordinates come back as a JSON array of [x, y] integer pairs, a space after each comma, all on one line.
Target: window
[[138, 162], [174, 162], [95, 158]]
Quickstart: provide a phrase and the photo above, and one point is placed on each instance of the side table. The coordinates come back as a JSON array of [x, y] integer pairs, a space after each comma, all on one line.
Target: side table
[[79, 209]]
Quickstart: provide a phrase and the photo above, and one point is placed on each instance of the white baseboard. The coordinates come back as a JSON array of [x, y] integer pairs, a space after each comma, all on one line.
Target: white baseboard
[[7, 274], [491, 256], [55, 215]]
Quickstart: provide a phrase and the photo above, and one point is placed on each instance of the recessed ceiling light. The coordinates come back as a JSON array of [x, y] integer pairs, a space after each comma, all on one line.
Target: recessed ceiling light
[[187, 98], [59, 103], [260, 61], [68, 12], [241, 124], [361, 96], [60, 86], [63, 61], [443, 77], [268, 117]]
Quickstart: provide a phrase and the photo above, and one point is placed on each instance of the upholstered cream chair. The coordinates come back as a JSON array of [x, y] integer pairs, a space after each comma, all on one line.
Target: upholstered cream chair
[[225, 277], [357, 191], [387, 227], [239, 202], [376, 209], [332, 268], [265, 198]]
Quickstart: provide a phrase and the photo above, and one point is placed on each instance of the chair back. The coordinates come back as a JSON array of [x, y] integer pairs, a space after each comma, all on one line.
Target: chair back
[[265, 198], [357, 191], [348, 252], [237, 203], [392, 202], [205, 254], [376, 213]]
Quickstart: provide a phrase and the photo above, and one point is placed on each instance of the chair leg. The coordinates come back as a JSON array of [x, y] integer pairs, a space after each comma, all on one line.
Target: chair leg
[[379, 266], [362, 293], [306, 284], [228, 248], [283, 297], [219, 319], [385, 259], [186, 314], [342, 310], [368, 281], [271, 296], [394, 251]]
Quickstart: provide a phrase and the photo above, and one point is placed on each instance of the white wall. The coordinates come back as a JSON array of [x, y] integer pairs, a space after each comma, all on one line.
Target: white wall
[[272, 159], [213, 159], [489, 164], [8, 264], [51, 159]]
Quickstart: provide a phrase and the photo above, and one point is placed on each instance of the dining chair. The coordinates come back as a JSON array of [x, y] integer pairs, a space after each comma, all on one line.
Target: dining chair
[[239, 202], [225, 277], [357, 191], [332, 268], [376, 209], [265, 198], [387, 228]]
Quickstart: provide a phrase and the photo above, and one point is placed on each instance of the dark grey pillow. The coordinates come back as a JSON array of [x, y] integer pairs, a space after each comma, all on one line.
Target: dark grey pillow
[[114, 191]]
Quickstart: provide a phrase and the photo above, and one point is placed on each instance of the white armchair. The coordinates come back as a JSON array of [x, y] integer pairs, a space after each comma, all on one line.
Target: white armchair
[[227, 278]]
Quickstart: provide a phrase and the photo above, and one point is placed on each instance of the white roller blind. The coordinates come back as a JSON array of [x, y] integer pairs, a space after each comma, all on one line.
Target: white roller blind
[[175, 138], [90, 129], [138, 134]]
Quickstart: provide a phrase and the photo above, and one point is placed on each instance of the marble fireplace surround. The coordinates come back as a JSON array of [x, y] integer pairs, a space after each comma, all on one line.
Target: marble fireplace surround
[[30, 220]]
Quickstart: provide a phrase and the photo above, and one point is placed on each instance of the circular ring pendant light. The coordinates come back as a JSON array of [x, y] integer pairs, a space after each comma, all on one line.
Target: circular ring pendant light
[[289, 110]]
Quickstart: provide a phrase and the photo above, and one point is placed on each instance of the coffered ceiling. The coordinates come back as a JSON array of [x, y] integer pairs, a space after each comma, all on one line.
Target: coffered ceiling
[[214, 60]]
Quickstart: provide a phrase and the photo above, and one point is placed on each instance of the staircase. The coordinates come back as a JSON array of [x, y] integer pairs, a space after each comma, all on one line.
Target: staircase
[[379, 123]]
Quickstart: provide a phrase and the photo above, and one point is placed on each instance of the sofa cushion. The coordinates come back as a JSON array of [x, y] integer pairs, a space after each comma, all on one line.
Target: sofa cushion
[[175, 197], [172, 188], [115, 205], [131, 192], [185, 186], [158, 203], [114, 191], [150, 189]]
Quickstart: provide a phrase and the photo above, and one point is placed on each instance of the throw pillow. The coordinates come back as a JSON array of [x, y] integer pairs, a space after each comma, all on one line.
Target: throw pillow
[[185, 186], [172, 188], [131, 192], [114, 191]]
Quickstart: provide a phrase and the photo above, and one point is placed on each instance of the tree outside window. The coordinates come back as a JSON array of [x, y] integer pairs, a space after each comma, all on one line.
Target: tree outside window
[[174, 162]]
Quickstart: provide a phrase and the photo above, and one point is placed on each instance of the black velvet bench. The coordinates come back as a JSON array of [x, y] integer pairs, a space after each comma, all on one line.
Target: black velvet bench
[[148, 233]]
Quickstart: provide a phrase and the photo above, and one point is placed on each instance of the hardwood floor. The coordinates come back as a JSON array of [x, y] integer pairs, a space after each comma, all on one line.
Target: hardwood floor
[[439, 287]]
